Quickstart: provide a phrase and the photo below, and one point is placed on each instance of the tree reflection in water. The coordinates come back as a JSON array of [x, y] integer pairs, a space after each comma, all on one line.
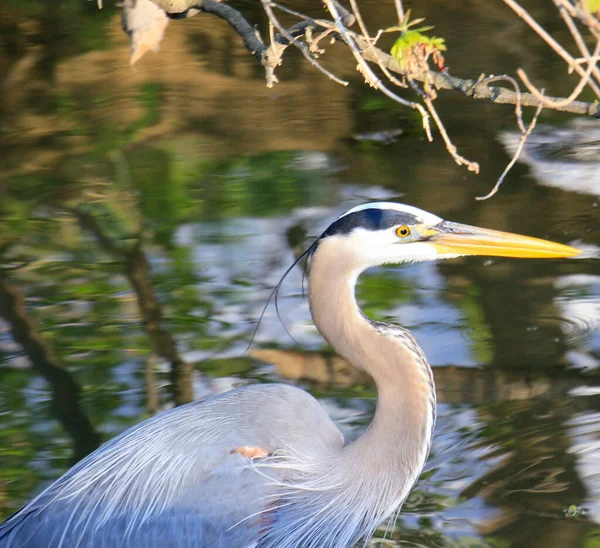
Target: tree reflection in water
[[144, 218]]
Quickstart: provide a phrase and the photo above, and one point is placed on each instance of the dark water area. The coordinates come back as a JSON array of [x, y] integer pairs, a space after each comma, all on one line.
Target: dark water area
[[146, 213]]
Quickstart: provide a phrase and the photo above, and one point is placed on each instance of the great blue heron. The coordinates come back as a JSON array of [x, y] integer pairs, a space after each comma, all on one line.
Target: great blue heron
[[264, 465]]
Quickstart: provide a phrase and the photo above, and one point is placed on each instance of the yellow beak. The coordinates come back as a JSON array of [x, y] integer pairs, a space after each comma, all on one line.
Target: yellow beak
[[455, 239]]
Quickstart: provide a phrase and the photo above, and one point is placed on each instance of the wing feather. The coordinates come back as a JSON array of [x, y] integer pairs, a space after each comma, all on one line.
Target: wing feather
[[173, 481]]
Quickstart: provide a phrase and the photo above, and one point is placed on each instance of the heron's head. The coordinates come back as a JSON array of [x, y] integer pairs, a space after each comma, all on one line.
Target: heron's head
[[386, 232]]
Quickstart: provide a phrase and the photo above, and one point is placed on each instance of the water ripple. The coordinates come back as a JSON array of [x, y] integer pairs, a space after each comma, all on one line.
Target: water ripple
[[579, 309]]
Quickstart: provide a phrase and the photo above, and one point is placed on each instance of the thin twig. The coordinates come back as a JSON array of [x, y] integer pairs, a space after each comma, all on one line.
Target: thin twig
[[514, 83], [471, 88], [290, 11], [276, 61], [371, 42], [516, 155], [444, 80], [364, 67], [346, 16], [583, 60], [585, 18], [556, 47], [460, 160], [564, 13], [368, 73], [556, 104], [314, 42], [577, 38], [304, 49], [399, 11]]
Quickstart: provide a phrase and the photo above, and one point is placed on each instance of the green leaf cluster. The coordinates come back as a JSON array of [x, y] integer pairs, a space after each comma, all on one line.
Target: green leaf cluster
[[413, 42]]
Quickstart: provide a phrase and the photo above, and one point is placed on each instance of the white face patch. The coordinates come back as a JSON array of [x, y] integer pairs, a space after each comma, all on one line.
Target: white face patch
[[366, 236], [364, 249], [424, 216]]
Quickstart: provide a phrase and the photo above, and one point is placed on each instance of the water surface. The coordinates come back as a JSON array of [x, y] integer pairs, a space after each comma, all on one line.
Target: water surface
[[148, 212]]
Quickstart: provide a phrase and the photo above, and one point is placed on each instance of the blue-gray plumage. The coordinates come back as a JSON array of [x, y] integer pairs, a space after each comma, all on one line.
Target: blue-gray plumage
[[264, 466]]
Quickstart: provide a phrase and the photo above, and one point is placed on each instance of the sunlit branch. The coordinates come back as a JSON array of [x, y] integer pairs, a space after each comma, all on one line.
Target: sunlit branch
[[515, 85], [560, 5], [307, 34], [304, 49], [440, 80], [450, 146], [554, 45], [367, 72], [427, 99], [546, 102], [399, 10], [522, 140], [371, 43], [475, 89]]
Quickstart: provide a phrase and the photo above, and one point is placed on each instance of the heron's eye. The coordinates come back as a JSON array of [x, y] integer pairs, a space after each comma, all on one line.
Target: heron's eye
[[402, 231]]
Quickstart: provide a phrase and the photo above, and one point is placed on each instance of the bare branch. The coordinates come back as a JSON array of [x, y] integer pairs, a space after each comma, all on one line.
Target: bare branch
[[399, 11], [580, 43], [566, 9], [475, 89], [371, 43], [556, 47], [346, 17], [307, 34], [515, 157], [557, 104], [515, 85], [304, 49], [237, 22], [460, 160], [366, 70], [584, 17]]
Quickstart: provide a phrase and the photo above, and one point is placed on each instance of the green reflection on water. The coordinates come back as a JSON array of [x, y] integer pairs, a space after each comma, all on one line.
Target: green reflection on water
[[142, 176]]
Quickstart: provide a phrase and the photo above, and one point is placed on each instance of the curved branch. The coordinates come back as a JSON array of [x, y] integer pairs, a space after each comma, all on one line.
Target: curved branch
[[238, 23], [476, 89]]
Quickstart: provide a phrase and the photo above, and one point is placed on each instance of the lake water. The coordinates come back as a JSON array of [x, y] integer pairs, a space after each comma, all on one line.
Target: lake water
[[146, 213]]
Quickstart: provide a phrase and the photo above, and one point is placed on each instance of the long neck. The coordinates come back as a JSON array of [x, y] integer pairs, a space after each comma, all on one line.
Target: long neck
[[396, 444], [339, 498]]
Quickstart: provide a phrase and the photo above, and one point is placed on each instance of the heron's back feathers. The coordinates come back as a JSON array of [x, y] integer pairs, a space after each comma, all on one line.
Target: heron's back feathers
[[201, 493]]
